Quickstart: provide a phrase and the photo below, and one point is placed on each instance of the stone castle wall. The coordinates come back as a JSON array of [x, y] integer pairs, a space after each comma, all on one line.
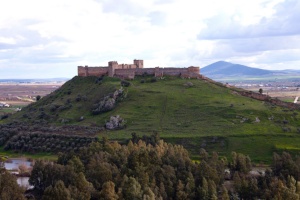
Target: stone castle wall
[[128, 71], [92, 71], [266, 98]]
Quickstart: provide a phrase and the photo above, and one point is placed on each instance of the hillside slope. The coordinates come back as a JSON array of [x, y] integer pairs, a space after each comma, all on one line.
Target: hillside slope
[[194, 113]]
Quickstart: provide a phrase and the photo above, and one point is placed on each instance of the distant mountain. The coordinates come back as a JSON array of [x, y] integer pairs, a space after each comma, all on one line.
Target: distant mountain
[[287, 71], [222, 68]]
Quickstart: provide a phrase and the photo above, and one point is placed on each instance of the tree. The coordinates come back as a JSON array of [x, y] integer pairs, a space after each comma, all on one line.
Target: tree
[[203, 190], [180, 193], [108, 191], [76, 164], [38, 97], [225, 195], [132, 189], [240, 163], [37, 179], [148, 194], [81, 188], [58, 192], [9, 188], [260, 90]]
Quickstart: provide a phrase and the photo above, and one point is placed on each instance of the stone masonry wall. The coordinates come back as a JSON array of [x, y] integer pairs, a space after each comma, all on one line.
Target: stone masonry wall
[[125, 73], [92, 71], [266, 98], [130, 70]]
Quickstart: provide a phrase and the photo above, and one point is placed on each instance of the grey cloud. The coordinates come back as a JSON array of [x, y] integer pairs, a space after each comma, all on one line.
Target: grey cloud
[[277, 48], [30, 46], [247, 45], [284, 22], [24, 36], [283, 56]]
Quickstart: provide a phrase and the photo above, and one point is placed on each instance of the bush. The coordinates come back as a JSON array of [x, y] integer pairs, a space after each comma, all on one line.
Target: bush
[[38, 97], [189, 84], [99, 80], [78, 98], [143, 81], [125, 83], [153, 79], [4, 116]]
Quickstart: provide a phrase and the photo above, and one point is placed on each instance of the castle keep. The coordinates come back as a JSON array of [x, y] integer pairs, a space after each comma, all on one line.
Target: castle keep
[[129, 71]]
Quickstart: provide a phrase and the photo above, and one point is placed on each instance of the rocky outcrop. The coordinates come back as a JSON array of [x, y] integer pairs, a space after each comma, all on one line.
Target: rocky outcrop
[[115, 122], [109, 102]]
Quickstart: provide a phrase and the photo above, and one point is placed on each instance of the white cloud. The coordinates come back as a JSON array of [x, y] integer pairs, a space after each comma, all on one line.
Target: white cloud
[[56, 36]]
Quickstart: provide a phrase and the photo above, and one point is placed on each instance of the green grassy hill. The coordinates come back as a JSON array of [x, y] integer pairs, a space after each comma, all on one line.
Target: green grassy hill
[[204, 115]]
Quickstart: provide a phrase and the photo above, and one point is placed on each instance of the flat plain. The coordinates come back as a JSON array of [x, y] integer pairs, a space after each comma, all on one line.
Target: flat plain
[[18, 95]]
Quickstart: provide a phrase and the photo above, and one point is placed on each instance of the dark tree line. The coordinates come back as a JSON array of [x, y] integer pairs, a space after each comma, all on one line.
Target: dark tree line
[[34, 138], [133, 171], [153, 169], [41, 142]]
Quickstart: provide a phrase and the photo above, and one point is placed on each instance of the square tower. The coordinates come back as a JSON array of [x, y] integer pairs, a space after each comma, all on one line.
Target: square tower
[[138, 63], [112, 65]]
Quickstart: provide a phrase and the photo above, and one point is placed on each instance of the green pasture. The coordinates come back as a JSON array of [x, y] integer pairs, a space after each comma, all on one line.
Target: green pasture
[[204, 115], [11, 154]]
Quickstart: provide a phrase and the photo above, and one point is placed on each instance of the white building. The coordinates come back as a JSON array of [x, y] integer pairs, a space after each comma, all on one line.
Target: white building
[[4, 105]]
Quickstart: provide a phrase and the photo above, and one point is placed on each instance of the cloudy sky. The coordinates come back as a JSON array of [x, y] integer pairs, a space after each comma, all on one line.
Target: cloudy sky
[[50, 38]]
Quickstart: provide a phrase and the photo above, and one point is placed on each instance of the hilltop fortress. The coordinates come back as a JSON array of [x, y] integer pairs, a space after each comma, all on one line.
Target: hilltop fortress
[[128, 71]]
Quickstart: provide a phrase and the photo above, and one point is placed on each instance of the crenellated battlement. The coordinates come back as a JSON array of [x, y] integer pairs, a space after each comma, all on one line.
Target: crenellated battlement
[[128, 71]]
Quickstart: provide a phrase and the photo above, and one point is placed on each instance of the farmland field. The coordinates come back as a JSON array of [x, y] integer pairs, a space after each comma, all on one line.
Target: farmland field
[[19, 95]]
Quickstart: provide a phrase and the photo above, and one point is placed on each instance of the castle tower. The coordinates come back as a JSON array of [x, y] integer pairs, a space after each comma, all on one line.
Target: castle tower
[[194, 69], [138, 63], [112, 65], [83, 71]]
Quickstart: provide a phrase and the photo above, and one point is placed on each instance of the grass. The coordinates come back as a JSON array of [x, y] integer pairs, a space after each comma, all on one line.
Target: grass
[[192, 116], [10, 110], [43, 156]]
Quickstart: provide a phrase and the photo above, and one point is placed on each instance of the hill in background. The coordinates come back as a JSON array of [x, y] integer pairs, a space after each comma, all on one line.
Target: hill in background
[[222, 70]]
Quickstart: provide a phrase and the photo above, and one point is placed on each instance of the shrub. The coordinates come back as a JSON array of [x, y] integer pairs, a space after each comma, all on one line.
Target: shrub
[[125, 83], [78, 98], [285, 121], [153, 79], [38, 97], [188, 84], [4, 116], [99, 80]]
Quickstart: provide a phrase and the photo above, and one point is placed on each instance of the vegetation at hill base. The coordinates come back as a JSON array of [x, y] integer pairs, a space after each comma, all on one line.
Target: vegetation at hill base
[[154, 169], [195, 113]]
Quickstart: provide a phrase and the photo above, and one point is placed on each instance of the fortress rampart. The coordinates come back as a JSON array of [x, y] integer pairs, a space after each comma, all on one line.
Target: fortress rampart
[[92, 71], [129, 71]]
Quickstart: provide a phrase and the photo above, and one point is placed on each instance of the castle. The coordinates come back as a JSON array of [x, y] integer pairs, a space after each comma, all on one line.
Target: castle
[[129, 71]]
